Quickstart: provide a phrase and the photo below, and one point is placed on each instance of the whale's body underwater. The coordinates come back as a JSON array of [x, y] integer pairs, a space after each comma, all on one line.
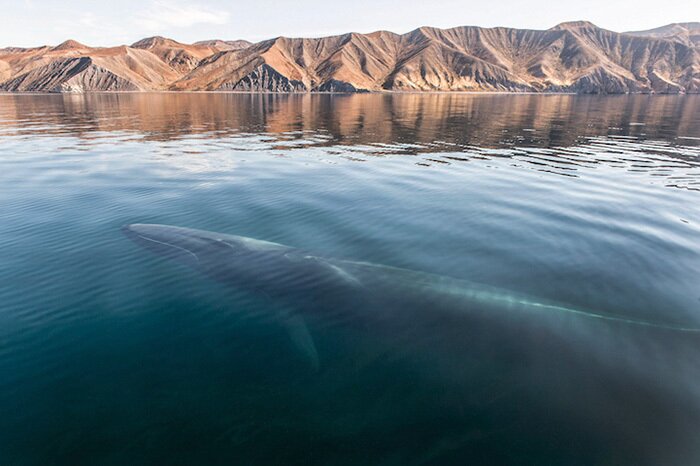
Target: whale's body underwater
[[539, 365]]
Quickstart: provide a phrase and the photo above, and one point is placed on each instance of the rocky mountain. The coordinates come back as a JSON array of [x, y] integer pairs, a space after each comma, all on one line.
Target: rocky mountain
[[73, 67], [184, 57], [687, 33], [570, 57]]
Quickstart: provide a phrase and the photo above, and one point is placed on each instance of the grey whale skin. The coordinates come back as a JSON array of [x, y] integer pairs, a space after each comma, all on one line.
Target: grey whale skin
[[548, 365]]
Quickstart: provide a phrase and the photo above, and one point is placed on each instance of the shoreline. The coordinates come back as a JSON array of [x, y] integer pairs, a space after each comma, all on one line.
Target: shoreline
[[384, 92]]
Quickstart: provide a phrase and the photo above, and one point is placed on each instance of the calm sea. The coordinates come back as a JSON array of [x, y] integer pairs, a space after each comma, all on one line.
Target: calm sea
[[110, 354]]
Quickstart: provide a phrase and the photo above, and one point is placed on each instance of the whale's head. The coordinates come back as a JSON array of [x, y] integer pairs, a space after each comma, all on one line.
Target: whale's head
[[199, 247], [230, 258], [174, 243]]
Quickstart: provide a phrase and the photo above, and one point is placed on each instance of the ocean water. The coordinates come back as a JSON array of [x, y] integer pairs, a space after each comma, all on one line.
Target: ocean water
[[110, 354]]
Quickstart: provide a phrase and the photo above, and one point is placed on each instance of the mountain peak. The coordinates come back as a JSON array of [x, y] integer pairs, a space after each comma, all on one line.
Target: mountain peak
[[154, 41], [70, 44], [574, 25]]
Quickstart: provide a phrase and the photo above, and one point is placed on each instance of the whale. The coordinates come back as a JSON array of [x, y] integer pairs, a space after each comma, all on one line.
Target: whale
[[542, 364]]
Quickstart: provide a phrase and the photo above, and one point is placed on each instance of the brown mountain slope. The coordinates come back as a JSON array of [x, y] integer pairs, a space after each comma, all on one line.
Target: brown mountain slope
[[181, 57], [570, 57], [349, 62], [84, 69], [16, 61]]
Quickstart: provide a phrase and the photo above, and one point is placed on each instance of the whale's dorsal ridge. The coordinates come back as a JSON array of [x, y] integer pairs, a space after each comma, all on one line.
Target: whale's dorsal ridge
[[338, 270]]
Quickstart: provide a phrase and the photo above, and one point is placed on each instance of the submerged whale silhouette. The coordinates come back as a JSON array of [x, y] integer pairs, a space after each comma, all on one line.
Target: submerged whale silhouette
[[285, 272], [620, 378]]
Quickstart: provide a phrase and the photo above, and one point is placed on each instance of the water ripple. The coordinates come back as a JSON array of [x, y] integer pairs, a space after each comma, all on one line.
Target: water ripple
[[516, 193]]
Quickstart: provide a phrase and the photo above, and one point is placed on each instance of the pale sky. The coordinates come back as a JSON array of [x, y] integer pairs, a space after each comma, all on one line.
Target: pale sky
[[101, 23]]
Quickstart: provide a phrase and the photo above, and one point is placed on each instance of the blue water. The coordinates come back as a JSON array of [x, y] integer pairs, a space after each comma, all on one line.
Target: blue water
[[110, 354]]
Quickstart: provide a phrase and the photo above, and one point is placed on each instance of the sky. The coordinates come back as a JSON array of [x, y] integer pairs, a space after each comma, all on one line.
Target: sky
[[102, 23]]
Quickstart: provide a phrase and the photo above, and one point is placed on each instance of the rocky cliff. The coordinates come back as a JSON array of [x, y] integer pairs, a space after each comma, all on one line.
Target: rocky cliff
[[570, 57]]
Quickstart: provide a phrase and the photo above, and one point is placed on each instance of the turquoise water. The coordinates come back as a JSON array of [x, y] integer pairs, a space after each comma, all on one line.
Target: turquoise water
[[110, 354]]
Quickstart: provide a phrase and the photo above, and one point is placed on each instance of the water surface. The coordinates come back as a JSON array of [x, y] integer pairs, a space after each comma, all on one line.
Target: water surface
[[112, 355]]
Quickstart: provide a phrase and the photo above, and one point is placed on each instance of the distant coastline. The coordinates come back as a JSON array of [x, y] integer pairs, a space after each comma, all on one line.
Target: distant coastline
[[570, 58], [338, 93]]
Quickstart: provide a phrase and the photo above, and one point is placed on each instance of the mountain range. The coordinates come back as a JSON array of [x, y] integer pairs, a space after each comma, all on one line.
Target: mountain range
[[574, 57]]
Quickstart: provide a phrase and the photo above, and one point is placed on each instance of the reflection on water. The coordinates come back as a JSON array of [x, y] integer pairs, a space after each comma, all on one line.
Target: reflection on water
[[112, 355], [555, 133]]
